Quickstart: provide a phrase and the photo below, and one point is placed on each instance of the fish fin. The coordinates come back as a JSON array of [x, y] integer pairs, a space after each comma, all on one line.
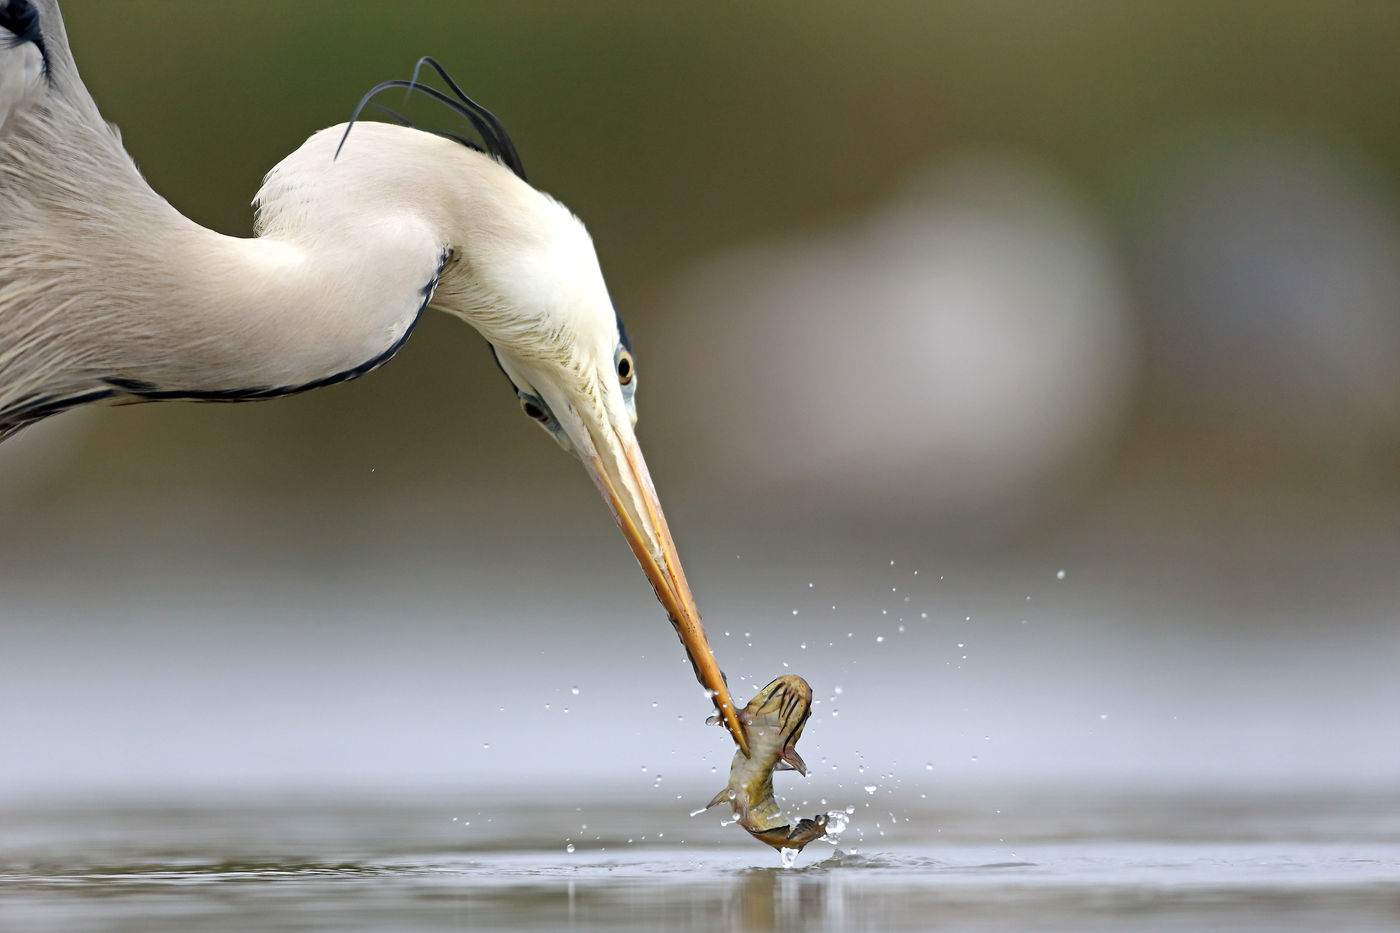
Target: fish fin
[[775, 836], [793, 761], [721, 797]]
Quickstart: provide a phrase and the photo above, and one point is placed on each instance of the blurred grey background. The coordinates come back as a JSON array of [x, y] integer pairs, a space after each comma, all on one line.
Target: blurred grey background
[[1026, 376]]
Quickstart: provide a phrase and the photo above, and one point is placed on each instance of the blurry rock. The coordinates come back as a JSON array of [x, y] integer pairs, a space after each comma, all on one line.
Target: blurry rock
[[962, 349], [1271, 268]]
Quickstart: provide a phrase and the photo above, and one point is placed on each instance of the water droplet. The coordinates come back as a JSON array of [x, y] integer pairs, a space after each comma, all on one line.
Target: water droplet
[[574, 690], [1102, 716], [871, 788], [836, 824], [837, 690], [569, 847], [879, 638], [1059, 575], [928, 766], [794, 612], [485, 744]]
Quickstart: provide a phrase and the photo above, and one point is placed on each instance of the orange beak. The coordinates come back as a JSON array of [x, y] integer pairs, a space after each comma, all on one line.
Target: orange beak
[[630, 496]]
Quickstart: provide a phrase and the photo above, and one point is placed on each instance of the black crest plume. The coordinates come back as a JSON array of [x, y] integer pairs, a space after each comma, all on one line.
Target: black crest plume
[[495, 141]]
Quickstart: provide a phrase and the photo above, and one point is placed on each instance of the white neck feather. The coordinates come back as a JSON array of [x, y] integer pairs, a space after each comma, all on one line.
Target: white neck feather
[[107, 291], [103, 279]]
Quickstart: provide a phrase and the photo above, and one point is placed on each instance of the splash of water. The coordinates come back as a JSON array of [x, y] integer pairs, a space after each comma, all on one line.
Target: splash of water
[[836, 823], [788, 857]]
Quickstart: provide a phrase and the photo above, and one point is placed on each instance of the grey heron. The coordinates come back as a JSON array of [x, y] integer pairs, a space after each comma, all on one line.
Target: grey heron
[[108, 294]]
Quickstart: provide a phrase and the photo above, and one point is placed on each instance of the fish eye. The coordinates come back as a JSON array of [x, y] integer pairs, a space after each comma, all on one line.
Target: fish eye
[[626, 369], [533, 410]]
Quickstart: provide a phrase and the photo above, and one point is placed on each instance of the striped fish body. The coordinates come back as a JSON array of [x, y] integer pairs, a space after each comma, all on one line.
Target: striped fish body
[[773, 722]]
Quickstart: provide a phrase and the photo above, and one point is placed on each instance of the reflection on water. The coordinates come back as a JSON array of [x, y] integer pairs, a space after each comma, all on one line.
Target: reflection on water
[[1061, 863]]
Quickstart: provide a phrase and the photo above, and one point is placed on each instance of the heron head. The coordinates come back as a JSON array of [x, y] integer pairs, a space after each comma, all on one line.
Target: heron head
[[523, 271]]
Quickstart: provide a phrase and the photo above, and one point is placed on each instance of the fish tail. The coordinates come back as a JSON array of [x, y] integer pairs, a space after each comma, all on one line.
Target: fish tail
[[721, 797]]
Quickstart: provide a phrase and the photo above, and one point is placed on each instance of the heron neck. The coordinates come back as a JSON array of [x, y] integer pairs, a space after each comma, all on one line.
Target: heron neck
[[160, 307], [275, 314], [109, 291]]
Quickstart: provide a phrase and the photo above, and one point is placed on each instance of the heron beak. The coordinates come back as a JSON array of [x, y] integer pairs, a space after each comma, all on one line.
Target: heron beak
[[626, 487]]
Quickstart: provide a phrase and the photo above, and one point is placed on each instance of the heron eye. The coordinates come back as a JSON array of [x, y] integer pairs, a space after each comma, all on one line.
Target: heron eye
[[534, 411], [625, 369]]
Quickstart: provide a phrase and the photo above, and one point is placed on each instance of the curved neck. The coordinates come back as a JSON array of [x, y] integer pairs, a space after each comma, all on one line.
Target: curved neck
[[108, 290], [271, 315], [116, 292]]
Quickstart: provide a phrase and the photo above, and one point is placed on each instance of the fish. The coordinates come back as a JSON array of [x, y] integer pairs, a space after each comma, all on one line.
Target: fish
[[773, 722]]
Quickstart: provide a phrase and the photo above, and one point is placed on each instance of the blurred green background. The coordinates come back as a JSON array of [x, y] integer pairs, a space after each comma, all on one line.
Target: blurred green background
[[992, 289]]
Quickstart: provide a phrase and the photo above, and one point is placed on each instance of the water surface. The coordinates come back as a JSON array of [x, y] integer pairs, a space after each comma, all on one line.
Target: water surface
[[989, 860]]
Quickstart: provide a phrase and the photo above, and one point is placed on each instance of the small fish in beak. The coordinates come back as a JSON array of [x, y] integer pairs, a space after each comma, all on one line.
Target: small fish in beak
[[772, 723]]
